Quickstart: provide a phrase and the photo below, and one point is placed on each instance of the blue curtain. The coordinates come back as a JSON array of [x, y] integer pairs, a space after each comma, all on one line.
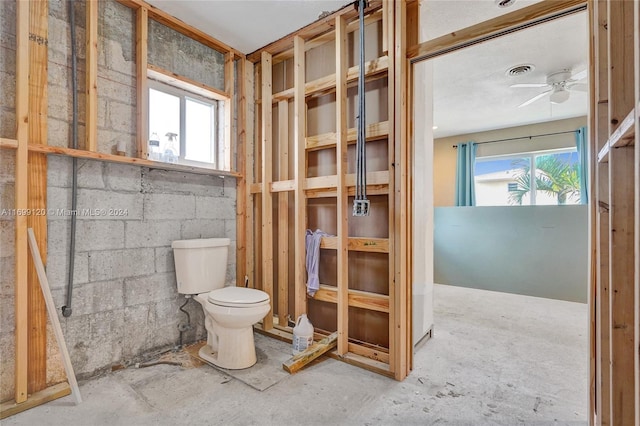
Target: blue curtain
[[583, 168], [465, 190]]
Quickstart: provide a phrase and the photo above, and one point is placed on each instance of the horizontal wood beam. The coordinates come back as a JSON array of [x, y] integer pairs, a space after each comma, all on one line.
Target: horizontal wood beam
[[11, 408], [295, 363], [98, 156], [180, 26], [357, 298], [374, 131], [371, 245], [536, 13], [327, 84]]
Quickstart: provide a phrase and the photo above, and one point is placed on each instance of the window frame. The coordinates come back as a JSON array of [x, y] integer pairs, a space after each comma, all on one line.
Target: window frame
[[531, 155]]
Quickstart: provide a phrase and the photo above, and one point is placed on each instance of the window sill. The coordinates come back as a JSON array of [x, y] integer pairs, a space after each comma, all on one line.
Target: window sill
[[79, 153]]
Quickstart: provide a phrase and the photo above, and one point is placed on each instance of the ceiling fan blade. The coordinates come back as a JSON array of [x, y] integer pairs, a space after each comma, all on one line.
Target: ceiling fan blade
[[578, 87], [530, 85], [579, 76], [535, 98]]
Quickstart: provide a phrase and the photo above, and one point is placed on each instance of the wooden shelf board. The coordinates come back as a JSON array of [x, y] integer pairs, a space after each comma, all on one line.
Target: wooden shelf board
[[98, 156], [327, 84], [374, 131], [624, 135], [370, 245], [357, 298]]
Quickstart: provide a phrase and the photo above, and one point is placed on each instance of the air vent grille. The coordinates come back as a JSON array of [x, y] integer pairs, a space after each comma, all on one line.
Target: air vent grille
[[519, 70]]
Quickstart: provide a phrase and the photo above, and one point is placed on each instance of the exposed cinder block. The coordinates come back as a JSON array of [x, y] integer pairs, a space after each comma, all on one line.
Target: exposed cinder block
[[7, 237], [203, 228], [164, 260], [119, 92], [97, 297], [165, 331], [140, 320], [58, 171], [59, 133], [7, 277], [121, 116], [90, 174], [110, 205], [7, 166], [120, 177], [215, 208], [108, 140], [7, 194], [7, 307], [230, 229], [58, 268], [92, 235], [107, 324], [163, 181], [7, 84], [116, 57], [154, 233], [58, 203], [150, 288], [112, 264], [230, 188], [169, 206], [7, 362], [8, 123]]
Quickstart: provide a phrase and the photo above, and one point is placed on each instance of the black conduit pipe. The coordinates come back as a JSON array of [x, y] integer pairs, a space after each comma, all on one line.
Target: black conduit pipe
[[66, 309]]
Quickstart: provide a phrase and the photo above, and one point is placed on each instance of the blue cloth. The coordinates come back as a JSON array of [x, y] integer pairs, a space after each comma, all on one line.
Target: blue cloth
[[583, 168], [465, 187]]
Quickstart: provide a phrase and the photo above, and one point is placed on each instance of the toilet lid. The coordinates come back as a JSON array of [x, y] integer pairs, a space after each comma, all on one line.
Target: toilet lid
[[237, 296]]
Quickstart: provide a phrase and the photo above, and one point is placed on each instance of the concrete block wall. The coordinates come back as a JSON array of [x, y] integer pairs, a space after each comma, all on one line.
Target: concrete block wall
[[125, 303]]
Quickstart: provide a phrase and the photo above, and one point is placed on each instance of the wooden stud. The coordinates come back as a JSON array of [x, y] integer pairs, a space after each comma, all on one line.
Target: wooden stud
[[295, 363], [241, 182], [401, 296], [142, 87], [249, 171], [21, 199], [91, 74], [621, 215], [267, 199], [283, 213], [227, 158], [636, 49], [600, 196], [300, 156], [342, 197], [37, 190]]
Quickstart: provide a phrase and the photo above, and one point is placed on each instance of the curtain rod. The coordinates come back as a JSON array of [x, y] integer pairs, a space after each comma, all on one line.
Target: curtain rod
[[524, 137]]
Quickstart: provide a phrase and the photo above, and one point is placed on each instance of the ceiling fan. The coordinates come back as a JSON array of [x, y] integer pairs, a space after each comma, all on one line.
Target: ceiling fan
[[560, 83]]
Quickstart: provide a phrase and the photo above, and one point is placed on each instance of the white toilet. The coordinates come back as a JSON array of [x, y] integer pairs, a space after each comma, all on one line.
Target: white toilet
[[230, 312]]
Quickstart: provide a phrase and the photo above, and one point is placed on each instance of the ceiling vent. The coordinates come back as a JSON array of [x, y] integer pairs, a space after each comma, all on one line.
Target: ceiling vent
[[519, 70], [505, 3]]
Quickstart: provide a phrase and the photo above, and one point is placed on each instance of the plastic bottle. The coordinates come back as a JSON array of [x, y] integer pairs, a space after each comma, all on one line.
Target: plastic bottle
[[302, 334], [154, 147]]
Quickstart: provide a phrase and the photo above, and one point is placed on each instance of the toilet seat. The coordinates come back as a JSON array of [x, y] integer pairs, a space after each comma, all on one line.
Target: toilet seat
[[239, 297]]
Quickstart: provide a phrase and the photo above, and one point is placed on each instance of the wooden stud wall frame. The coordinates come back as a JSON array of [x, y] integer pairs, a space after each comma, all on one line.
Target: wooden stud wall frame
[[307, 80]]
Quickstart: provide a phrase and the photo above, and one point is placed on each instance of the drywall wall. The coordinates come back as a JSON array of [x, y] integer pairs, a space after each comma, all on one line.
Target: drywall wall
[[444, 167], [531, 250], [125, 303]]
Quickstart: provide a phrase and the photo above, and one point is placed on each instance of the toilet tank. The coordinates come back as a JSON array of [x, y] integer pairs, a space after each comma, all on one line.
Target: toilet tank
[[201, 265]]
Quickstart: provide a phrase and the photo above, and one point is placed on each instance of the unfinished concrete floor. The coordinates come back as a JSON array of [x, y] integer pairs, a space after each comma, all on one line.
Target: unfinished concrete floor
[[495, 358]]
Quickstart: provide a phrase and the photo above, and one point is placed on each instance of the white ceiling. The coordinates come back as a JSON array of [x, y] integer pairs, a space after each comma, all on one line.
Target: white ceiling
[[248, 25], [471, 91]]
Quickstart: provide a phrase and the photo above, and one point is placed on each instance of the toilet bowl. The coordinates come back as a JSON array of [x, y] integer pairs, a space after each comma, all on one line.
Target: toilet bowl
[[230, 312]]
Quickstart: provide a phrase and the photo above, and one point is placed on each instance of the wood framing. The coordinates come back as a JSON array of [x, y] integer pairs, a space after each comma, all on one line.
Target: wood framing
[[283, 213], [227, 160], [299, 167], [249, 150], [267, 176], [21, 200], [342, 196], [142, 87], [241, 182], [91, 76], [37, 190]]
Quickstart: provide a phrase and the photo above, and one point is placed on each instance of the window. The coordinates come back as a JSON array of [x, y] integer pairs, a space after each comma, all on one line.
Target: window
[[509, 180], [184, 127]]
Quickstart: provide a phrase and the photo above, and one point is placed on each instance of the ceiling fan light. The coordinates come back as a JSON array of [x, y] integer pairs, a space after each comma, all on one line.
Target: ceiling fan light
[[559, 96]]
